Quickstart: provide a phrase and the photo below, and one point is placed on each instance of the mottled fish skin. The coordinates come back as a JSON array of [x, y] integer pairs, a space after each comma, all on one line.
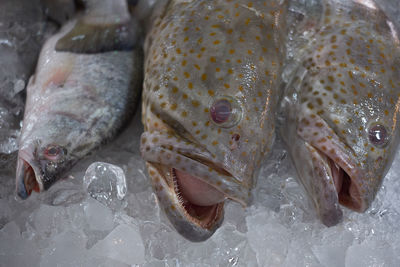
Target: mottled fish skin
[[75, 102], [340, 110], [212, 69]]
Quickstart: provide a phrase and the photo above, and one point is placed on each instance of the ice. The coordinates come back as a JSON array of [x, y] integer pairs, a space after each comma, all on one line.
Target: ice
[[66, 226], [123, 244], [16, 250], [279, 229], [98, 216], [69, 241], [106, 183], [372, 253], [274, 238]]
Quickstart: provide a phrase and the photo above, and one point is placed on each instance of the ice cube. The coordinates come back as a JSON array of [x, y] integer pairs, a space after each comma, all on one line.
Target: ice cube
[[65, 249], [106, 183], [268, 238], [16, 250], [98, 216], [123, 244], [370, 253]]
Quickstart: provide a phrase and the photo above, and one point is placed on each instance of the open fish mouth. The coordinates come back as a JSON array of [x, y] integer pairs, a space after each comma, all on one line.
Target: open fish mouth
[[330, 171], [195, 222], [346, 186], [190, 185], [205, 214], [28, 178]]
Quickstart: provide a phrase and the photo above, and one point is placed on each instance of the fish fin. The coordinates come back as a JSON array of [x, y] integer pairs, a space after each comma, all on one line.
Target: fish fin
[[31, 81], [90, 38]]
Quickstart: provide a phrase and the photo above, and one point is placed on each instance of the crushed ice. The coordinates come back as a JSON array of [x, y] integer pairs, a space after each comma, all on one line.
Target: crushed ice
[[109, 216], [106, 183], [78, 223]]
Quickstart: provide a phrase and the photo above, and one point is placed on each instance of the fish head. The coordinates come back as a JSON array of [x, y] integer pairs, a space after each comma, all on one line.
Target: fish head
[[208, 109], [52, 139], [42, 159], [347, 116]]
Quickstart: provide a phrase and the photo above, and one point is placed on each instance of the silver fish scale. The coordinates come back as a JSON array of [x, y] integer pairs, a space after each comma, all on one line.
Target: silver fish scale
[[74, 103]]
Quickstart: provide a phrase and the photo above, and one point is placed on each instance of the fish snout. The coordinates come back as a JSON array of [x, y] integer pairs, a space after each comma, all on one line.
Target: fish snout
[[26, 181]]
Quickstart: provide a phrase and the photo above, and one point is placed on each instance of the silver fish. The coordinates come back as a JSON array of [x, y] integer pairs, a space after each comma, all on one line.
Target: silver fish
[[76, 101], [212, 70], [340, 110]]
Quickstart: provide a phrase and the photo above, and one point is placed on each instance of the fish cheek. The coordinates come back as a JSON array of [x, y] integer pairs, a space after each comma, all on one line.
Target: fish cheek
[[53, 163]]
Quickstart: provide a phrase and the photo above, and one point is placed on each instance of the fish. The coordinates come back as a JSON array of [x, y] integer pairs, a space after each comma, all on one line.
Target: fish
[[339, 112], [210, 92], [78, 100]]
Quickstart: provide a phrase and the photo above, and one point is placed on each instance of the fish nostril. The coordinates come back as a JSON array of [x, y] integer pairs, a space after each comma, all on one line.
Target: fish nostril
[[226, 112], [378, 135]]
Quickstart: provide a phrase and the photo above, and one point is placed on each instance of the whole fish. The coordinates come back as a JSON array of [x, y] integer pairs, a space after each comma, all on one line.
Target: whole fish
[[340, 110], [77, 100], [212, 69]]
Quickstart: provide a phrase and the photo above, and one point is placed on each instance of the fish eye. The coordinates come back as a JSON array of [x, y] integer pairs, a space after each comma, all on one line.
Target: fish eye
[[225, 112], [378, 135], [53, 152]]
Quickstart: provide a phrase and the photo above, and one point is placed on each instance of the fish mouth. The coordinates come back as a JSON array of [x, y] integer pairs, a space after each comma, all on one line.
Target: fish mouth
[[337, 178], [193, 220], [27, 179], [190, 184], [347, 189], [345, 176], [206, 208]]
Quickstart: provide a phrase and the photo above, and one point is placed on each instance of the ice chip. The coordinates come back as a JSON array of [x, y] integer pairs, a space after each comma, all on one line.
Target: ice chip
[[8, 140], [123, 244], [19, 85], [370, 253], [106, 183], [16, 250], [66, 249], [98, 216]]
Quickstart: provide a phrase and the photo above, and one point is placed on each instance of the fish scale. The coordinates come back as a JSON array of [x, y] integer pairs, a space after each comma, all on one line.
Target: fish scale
[[344, 88], [212, 70]]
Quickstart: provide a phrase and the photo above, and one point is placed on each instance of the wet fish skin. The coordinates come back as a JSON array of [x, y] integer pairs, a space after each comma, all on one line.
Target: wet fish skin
[[212, 70], [75, 102], [339, 113]]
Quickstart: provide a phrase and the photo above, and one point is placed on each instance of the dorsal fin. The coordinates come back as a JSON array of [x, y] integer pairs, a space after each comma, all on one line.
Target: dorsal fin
[[98, 38], [105, 26]]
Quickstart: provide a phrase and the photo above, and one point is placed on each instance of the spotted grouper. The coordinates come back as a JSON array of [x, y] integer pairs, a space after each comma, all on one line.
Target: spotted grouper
[[77, 100], [339, 113], [212, 70]]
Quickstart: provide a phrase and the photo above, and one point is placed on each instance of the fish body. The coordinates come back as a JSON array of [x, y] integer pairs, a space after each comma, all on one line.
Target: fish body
[[212, 70], [339, 113], [75, 102]]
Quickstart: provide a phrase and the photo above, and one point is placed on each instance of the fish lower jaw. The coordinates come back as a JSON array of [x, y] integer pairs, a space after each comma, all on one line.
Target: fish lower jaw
[[205, 214], [195, 223], [347, 189], [27, 179]]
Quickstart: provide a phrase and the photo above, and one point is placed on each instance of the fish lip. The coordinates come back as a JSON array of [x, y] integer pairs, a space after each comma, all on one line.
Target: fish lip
[[354, 202], [200, 155], [169, 198], [23, 165]]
